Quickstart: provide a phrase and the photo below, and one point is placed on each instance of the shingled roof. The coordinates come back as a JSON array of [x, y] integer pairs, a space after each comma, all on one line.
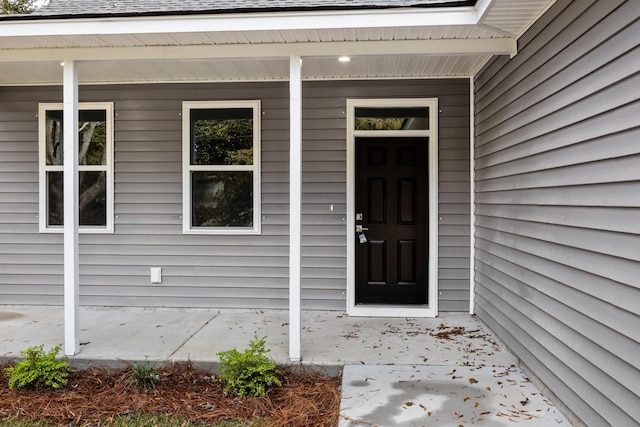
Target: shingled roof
[[78, 8]]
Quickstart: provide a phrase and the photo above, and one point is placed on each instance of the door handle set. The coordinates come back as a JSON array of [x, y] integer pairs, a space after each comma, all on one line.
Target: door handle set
[[360, 231]]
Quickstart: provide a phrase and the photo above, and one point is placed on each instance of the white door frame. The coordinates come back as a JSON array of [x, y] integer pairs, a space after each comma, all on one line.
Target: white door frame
[[428, 310]]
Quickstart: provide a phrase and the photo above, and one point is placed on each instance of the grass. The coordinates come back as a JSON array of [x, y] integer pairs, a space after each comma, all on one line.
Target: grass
[[130, 421]]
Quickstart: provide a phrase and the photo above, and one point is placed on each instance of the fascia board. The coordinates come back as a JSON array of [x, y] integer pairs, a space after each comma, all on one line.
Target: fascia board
[[405, 17], [498, 46]]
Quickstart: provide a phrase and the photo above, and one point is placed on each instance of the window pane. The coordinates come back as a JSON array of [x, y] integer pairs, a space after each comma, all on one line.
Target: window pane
[[393, 118], [53, 137], [93, 198], [222, 199], [222, 136], [55, 215], [92, 143]]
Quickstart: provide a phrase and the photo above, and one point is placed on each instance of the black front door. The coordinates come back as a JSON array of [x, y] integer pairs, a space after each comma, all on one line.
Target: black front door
[[392, 208]]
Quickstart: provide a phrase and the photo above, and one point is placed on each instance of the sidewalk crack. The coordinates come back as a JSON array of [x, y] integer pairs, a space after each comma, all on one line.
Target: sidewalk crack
[[186, 340]]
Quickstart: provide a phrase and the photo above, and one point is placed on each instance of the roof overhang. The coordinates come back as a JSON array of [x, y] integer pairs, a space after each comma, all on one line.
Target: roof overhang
[[383, 43]]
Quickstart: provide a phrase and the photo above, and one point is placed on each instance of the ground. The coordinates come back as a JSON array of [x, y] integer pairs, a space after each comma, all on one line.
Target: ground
[[306, 398]]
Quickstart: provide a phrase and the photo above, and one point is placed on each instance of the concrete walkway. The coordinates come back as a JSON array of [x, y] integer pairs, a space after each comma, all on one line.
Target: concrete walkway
[[447, 371]]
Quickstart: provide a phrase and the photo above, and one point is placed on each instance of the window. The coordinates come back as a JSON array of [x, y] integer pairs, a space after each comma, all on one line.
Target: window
[[221, 167], [95, 167], [391, 118]]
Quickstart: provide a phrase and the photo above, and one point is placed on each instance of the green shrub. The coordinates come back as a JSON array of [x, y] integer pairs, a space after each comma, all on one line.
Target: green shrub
[[249, 373], [39, 369], [145, 375]]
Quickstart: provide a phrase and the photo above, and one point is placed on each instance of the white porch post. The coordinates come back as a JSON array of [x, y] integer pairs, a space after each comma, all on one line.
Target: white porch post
[[71, 246], [472, 201], [295, 204]]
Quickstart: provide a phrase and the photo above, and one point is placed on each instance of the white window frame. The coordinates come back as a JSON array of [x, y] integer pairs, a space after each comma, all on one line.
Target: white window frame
[[187, 167], [44, 168]]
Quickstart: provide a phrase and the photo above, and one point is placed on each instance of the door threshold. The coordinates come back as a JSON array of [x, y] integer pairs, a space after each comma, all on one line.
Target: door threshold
[[385, 310]]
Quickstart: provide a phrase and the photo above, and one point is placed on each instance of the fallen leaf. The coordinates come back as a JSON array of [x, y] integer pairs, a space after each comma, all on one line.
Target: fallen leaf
[[473, 380]]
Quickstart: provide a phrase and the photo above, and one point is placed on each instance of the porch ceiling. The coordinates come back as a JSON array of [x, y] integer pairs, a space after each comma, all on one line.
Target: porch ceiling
[[253, 47]]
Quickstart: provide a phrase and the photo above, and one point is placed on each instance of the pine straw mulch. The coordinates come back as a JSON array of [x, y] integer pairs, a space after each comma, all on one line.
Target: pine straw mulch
[[306, 398]]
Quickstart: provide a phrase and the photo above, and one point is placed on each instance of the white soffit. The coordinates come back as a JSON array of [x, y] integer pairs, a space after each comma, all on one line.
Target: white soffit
[[514, 16], [157, 71]]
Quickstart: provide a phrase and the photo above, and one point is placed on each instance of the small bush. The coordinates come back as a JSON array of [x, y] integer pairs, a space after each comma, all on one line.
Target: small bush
[[249, 373], [39, 369], [145, 375]]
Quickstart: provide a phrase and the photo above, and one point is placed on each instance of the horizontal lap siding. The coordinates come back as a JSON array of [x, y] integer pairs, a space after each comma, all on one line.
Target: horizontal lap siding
[[324, 133], [30, 262], [558, 205], [197, 271], [216, 271]]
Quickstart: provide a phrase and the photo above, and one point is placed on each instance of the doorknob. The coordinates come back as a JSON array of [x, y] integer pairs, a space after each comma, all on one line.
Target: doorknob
[[360, 229]]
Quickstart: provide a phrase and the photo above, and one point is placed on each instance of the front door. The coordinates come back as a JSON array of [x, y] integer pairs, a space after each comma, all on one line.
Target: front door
[[392, 210]]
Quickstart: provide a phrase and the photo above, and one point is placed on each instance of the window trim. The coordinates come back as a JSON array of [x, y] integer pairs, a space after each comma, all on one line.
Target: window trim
[[187, 167], [44, 168]]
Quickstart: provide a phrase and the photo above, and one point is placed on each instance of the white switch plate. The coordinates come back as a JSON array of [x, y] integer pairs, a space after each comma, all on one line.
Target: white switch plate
[[156, 275]]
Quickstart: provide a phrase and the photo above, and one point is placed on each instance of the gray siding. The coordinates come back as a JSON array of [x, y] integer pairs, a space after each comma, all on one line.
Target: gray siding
[[558, 205], [215, 271]]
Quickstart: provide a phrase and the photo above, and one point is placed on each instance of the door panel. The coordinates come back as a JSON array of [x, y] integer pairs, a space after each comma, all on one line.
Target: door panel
[[392, 195]]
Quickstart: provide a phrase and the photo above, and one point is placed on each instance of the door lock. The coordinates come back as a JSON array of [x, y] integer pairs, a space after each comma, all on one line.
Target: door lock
[[360, 230]]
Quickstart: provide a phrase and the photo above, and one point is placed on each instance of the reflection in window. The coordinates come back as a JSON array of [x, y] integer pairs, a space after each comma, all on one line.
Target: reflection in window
[[94, 172], [222, 137], [222, 199], [221, 176], [392, 118]]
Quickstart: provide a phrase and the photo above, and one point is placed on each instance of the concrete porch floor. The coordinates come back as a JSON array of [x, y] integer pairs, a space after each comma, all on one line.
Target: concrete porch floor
[[433, 359]]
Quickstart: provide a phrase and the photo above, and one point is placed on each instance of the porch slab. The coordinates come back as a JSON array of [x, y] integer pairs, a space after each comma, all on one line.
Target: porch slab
[[329, 338], [443, 396], [107, 335]]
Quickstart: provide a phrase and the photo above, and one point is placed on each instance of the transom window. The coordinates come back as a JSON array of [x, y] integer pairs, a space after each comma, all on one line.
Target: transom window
[[95, 167], [391, 118], [221, 167]]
